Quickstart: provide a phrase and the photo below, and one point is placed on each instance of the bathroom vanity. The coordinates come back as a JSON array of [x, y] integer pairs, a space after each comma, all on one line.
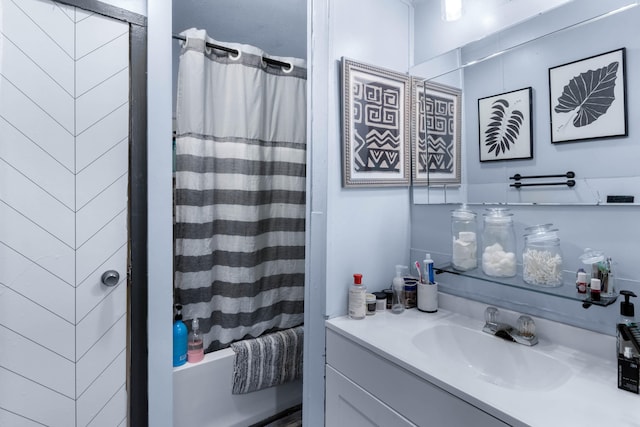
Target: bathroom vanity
[[420, 369]]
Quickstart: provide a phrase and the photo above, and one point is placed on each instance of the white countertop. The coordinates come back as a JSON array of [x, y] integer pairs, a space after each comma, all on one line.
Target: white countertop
[[587, 396]]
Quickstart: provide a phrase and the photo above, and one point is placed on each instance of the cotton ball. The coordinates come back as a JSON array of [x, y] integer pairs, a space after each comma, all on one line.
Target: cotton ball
[[496, 262]]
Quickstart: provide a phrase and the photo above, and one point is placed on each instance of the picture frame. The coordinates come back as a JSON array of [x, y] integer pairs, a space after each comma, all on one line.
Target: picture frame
[[506, 126], [436, 133], [588, 98], [376, 112]]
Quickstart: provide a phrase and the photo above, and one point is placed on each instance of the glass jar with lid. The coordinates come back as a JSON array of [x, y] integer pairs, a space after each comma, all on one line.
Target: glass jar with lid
[[598, 266], [464, 232], [498, 243], [541, 256]]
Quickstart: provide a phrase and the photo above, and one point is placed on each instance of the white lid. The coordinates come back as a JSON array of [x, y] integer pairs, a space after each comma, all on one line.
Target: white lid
[[591, 256], [595, 284], [582, 277], [463, 213]]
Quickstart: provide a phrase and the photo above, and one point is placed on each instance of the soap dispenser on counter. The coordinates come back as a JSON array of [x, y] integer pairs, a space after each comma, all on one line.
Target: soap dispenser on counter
[[628, 345], [398, 299]]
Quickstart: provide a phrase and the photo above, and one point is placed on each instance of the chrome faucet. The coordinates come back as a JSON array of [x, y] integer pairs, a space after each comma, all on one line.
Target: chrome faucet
[[524, 333]]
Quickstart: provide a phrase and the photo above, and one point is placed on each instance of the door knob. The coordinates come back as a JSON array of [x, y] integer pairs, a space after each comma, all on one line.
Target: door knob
[[110, 278]]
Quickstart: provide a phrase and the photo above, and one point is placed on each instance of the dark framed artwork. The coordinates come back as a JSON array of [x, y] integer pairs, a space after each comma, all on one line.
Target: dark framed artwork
[[376, 110], [588, 98], [505, 126], [436, 120]]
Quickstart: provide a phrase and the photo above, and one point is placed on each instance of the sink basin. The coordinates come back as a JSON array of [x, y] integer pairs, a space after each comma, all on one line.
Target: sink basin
[[491, 359]]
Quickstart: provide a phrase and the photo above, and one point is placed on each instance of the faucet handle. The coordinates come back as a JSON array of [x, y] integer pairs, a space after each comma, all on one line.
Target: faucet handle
[[526, 327], [491, 315]]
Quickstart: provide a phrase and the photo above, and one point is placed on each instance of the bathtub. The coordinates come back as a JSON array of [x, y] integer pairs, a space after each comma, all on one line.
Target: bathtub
[[202, 395]]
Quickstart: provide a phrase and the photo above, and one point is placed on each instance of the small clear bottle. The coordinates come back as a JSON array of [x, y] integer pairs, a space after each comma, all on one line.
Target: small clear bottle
[[498, 243], [357, 298], [195, 352], [541, 256], [398, 301], [465, 245]]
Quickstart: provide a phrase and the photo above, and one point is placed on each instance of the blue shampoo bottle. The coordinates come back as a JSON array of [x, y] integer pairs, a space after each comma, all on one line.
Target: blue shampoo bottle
[[180, 335]]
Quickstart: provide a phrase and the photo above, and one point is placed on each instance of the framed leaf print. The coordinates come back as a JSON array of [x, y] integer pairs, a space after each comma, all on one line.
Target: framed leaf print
[[375, 104], [505, 126], [588, 98], [436, 121]]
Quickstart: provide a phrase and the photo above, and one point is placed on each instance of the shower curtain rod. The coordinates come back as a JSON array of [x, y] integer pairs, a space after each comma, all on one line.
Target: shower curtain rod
[[235, 52]]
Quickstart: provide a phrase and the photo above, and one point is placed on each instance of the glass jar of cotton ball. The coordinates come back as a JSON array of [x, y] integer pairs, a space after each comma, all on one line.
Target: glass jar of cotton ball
[[465, 246], [498, 243], [542, 257]]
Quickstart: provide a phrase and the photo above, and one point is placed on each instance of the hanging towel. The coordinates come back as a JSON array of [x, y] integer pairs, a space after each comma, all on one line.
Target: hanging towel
[[268, 360]]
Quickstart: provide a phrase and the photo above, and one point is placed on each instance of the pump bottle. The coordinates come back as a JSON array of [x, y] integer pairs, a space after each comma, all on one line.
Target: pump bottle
[[398, 302], [179, 338], [627, 318], [628, 346], [195, 352]]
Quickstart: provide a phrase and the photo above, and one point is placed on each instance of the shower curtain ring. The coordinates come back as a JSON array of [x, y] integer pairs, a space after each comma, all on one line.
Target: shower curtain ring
[[238, 55], [288, 68]]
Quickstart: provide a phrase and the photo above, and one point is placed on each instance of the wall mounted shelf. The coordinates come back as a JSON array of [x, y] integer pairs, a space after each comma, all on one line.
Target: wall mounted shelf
[[567, 290]]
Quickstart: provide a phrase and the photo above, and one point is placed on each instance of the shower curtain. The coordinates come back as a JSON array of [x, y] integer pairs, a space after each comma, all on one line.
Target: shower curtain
[[240, 190]]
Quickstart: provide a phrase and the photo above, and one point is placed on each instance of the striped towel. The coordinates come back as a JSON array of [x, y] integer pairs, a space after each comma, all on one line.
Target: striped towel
[[268, 360]]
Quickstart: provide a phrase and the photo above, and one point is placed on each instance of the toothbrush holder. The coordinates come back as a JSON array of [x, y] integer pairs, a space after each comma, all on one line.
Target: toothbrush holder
[[428, 297]]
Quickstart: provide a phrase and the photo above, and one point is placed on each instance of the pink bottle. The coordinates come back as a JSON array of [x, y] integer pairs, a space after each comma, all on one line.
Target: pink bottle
[[195, 351]]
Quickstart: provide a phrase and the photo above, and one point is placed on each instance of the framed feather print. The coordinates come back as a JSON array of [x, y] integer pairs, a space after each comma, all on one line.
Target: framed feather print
[[588, 98], [505, 126]]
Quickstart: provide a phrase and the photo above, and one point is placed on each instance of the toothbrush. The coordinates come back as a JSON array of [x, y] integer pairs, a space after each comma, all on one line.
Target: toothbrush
[[417, 265]]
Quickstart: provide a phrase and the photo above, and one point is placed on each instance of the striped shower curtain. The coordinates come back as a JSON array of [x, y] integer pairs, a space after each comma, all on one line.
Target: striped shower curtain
[[240, 191]]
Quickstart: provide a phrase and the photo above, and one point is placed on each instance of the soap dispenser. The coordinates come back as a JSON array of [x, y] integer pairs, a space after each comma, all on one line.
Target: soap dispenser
[[179, 338], [627, 311], [398, 302], [195, 351], [628, 345]]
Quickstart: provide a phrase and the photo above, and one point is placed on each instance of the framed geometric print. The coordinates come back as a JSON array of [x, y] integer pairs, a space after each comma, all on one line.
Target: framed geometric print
[[375, 105], [588, 98], [436, 120]]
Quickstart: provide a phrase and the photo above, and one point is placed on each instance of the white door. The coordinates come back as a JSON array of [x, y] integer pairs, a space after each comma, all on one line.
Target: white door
[[64, 141]]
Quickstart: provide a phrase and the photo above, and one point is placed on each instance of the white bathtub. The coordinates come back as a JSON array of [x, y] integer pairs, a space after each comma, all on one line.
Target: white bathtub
[[202, 395]]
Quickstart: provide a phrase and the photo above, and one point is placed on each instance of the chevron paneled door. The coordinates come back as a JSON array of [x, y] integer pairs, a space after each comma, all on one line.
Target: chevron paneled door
[[64, 141]]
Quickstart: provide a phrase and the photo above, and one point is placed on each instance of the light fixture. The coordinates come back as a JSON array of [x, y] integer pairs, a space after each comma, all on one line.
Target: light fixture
[[451, 10]]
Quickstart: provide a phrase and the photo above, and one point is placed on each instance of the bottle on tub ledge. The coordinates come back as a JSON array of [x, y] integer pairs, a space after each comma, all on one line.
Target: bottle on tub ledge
[[357, 298], [195, 352], [179, 338]]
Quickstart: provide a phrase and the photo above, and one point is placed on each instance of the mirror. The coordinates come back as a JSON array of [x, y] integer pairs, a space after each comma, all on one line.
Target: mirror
[[550, 54]]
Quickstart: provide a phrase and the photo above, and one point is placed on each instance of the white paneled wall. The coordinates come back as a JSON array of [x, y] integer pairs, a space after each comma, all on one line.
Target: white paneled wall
[[64, 124]]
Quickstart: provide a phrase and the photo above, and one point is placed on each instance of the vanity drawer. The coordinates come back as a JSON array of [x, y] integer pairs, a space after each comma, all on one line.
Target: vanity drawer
[[416, 399], [348, 404]]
